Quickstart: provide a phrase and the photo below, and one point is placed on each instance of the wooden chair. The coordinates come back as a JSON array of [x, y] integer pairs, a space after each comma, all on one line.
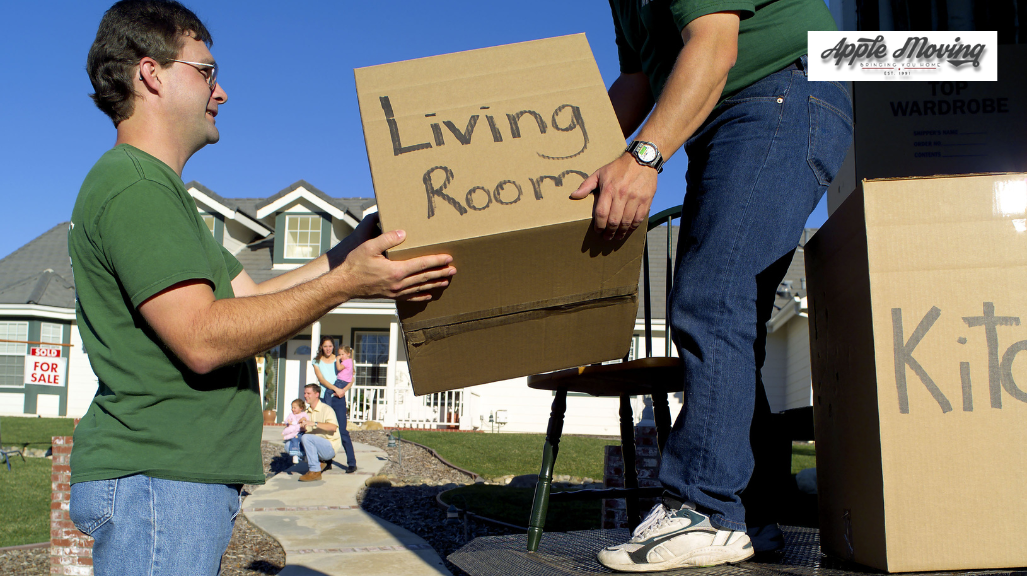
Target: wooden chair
[[655, 377], [5, 455]]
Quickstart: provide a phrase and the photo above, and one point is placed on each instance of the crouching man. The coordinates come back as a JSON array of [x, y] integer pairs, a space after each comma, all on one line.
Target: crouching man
[[322, 440]]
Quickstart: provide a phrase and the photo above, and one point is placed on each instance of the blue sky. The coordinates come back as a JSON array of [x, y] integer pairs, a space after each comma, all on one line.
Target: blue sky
[[288, 70]]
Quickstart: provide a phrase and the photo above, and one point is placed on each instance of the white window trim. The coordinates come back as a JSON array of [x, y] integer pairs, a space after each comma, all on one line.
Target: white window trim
[[316, 220], [6, 335]]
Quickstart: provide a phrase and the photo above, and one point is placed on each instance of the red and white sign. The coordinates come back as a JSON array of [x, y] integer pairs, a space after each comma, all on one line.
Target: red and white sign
[[44, 370], [45, 352]]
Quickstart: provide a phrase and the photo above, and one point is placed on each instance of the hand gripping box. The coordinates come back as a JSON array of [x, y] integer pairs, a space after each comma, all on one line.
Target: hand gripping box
[[918, 333], [475, 154]]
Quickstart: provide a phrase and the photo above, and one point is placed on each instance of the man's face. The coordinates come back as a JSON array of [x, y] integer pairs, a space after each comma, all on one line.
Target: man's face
[[191, 104], [310, 396]]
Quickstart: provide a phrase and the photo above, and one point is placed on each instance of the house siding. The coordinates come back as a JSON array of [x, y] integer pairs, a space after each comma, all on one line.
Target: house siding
[[774, 369], [798, 380]]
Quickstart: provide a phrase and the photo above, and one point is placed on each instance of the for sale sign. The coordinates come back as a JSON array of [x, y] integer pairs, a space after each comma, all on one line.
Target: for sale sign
[[43, 366]]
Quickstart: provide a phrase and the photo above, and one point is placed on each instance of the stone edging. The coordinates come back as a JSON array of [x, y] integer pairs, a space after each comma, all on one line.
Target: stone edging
[[395, 548], [474, 475], [300, 508], [25, 547], [473, 516]]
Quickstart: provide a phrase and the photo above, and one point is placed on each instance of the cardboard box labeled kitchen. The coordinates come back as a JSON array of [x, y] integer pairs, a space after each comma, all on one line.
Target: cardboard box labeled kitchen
[[918, 324], [927, 128], [475, 154]]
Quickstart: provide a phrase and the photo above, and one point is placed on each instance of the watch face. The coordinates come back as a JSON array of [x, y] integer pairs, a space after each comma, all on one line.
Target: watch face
[[646, 153]]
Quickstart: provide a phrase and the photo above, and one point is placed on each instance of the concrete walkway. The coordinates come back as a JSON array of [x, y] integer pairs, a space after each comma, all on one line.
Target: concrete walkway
[[324, 531]]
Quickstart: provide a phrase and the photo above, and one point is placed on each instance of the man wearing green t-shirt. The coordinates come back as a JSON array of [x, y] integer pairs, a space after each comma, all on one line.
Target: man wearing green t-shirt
[[726, 79], [170, 319]]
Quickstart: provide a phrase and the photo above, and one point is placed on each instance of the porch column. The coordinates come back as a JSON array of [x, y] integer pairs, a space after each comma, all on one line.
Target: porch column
[[390, 379], [315, 338]]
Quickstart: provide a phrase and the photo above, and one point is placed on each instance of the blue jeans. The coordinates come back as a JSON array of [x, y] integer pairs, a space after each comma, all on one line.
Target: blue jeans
[[316, 449], [154, 527], [292, 446], [756, 169], [340, 408]]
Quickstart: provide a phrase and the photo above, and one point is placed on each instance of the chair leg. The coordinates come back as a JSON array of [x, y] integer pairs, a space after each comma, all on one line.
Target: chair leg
[[661, 413], [627, 443], [540, 504]]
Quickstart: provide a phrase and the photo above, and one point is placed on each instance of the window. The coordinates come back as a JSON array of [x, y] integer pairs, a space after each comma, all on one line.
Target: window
[[12, 354], [52, 333], [370, 357], [302, 236], [210, 221]]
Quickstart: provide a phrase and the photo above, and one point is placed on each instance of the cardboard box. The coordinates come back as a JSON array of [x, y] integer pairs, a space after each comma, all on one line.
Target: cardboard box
[[475, 154], [918, 317], [928, 128]]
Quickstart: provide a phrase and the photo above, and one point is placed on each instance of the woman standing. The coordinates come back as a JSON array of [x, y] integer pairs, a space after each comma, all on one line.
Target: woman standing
[[333, 393]]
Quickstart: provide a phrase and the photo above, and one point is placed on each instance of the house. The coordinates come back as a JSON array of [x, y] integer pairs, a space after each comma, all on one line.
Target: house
[[272, 235]]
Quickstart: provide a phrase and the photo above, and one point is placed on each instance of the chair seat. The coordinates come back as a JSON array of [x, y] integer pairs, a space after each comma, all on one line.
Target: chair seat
[[637, 377]]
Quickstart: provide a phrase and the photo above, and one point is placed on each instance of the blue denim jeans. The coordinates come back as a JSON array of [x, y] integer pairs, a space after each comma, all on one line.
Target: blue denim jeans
[[152, 527], [341, 413], [316, 449], [292, 446], [756, 169]]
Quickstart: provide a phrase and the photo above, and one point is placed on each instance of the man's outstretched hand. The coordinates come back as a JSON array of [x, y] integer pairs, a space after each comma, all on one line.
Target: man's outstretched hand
[[367, 273], [624, 193]]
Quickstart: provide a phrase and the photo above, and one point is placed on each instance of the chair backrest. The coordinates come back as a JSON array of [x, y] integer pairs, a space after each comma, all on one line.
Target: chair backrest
[[665, 217]]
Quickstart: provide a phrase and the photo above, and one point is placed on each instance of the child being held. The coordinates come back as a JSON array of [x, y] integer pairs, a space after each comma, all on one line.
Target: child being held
[[293, 428]]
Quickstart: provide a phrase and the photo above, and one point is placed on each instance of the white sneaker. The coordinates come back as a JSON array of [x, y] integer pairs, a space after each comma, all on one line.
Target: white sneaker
[[295, 459], [669, 539]]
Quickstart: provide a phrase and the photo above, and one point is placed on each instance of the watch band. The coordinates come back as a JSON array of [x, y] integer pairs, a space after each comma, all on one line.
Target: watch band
[[638, 147]]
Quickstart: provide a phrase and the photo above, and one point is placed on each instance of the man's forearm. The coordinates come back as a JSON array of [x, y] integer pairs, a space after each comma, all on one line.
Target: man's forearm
[[632, 100], [317, 267], [692, 90], [234, 329]]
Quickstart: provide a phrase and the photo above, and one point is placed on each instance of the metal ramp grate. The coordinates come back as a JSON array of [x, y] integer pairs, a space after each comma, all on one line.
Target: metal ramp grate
[[574, 554]]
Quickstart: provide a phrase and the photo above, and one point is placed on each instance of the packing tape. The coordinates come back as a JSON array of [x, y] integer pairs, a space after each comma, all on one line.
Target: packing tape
[[419, 334]]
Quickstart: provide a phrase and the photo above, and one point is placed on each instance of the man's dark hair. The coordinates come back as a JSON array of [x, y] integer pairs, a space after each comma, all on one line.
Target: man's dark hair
[[129, 31], [315, 387]]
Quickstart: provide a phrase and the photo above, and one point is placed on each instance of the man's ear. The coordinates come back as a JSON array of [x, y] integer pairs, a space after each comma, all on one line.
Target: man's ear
[[149, 70]]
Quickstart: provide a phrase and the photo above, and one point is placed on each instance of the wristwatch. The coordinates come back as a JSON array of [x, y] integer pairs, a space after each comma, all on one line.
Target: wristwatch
[[646, 154]]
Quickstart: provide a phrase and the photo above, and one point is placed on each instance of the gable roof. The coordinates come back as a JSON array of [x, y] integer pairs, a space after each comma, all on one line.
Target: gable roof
[[40, 272], [229, 208], [350, 210]]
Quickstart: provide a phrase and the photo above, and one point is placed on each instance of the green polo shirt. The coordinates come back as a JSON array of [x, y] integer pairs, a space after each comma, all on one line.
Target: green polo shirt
[[771, 35], [135, 231]]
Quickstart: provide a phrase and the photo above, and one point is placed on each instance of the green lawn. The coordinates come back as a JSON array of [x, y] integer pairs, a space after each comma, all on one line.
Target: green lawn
[[35, 432], [25, 490], [513, 505], [803, 456], [25, 502], [492, 455]]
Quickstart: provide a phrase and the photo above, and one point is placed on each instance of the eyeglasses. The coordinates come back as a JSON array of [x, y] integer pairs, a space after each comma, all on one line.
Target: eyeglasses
[[211, 75]]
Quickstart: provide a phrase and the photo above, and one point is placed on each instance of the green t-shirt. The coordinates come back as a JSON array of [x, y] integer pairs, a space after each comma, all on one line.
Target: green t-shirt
[[771, 35], [135, 231]]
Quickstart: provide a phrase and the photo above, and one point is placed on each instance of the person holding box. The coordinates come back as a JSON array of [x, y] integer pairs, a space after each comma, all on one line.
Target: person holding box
[[727, 80], [171, 320]]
